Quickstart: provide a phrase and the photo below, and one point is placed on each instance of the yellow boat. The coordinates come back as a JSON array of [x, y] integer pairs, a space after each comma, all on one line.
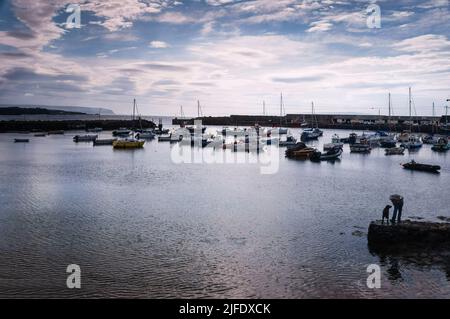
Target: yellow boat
[[128, 143]]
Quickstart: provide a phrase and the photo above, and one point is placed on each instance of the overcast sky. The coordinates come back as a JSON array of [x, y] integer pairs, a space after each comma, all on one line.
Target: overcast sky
[[231, 55]]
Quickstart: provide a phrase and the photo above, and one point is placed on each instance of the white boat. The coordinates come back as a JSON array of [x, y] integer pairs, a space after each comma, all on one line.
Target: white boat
[[414, 142], [172, 138], [145, 135], [403, 137], [335, 143]]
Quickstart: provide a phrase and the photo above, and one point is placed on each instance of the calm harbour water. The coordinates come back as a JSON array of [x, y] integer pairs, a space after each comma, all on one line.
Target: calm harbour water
[[140, 225]]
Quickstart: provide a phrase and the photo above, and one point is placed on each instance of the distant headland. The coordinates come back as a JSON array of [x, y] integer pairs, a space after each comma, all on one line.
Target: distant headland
[[7, 109]]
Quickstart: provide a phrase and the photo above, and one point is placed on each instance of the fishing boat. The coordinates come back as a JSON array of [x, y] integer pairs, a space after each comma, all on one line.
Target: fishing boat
[[84, 138], [21, 140], [388, 142], [303, 153], [335, 142], [394, 151], [442, 145], [330, 155], [414, 142], [421, 167], [128, 143], [293, 148], [100, 142], [309, 135], [360, 148]]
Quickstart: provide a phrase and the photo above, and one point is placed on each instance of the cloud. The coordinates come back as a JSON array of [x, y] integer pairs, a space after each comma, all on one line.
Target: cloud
[[424, 43], [297, 79], [159, 45]]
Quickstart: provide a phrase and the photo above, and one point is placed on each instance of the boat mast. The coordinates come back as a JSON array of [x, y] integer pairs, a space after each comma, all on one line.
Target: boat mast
[[389, 118], [410, 114], [134, 107], [281, 108]]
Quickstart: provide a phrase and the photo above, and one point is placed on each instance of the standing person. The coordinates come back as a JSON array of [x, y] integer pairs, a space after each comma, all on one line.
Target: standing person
[[397, 201]]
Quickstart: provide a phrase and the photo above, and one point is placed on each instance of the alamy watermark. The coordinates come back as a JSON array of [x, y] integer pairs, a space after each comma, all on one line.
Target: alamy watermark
[[74, 279], [374, 278], [374, 16], [74, 19]]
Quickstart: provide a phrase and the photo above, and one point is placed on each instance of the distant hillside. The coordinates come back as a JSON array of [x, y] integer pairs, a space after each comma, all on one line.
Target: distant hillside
[[37, 110], [71, 109]]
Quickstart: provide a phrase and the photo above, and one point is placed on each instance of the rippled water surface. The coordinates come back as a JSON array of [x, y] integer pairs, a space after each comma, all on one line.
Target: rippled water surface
[[140, 225]]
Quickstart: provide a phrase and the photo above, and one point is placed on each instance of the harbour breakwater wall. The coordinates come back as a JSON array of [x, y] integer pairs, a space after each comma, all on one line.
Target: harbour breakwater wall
[[408, 232], [67, 125], [422, 124]]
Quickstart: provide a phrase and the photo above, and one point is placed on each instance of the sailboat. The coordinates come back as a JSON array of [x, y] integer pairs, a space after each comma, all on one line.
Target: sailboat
[[388, 140], [414, 141], [280, 130], [129, 142], [193, 129], [312, 133]]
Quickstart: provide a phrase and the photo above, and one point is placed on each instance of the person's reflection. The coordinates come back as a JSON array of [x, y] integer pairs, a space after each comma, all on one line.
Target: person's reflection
[[393, 271]]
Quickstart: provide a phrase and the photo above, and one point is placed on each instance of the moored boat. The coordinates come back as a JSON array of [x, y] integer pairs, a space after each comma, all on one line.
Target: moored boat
[[331, 155], [21, 140], [84, 138], [304, 153], [360, 148], [122, 132], [395, 151], [99, 142], [145, 135], [414, 166], [128, 143], [290, 141], [414, 142], [441, 145]]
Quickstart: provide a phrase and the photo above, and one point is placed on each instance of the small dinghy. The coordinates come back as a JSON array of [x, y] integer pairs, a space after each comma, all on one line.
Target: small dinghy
[[441, 145], [395, 151], [331, 155], [360, 148], [84, 138], [413, 166], [21, 140]]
